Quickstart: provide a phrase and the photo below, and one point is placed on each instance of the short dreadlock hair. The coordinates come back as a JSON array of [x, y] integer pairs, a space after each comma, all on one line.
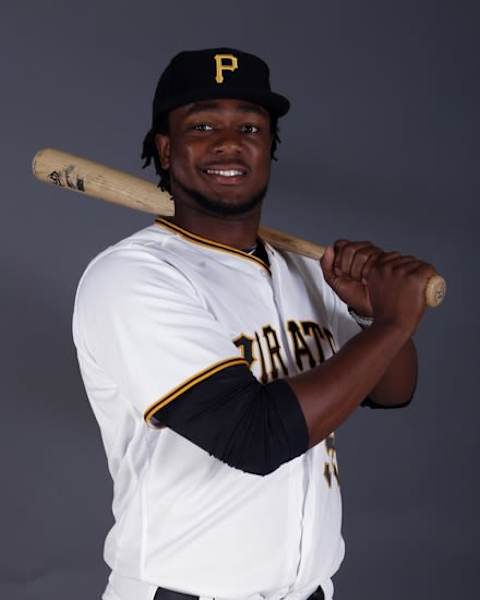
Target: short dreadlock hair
[[150, 151]]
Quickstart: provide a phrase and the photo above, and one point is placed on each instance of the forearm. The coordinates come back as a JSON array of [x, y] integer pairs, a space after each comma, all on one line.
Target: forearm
[[330, 392], [397, 385]]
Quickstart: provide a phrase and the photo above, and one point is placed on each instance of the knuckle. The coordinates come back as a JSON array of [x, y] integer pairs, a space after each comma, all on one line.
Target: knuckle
[[428, 269], [366, 253], [417, 278], [359, 245], [429, 266], [374, 257]]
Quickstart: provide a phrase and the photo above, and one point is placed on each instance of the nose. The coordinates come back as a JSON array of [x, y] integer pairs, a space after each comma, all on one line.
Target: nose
[[228, 141]]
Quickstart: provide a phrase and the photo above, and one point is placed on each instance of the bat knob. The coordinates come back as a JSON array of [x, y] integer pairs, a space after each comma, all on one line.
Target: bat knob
[[435, 291]]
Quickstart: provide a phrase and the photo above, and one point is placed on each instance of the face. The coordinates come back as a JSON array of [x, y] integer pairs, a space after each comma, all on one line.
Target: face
[[218, 155]]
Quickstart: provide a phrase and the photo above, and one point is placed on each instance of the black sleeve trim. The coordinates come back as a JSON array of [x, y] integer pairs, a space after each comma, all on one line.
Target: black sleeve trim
[[192, 381], [372, 404], [231, 415]]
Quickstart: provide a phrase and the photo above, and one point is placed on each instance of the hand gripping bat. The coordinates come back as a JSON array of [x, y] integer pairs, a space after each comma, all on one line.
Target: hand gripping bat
[[93, 179]]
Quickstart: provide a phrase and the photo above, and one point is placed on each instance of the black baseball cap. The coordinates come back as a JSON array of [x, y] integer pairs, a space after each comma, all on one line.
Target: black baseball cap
[[216, 73]]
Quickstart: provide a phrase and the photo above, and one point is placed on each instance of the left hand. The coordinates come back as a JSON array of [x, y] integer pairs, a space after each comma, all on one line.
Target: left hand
[[345, 267]]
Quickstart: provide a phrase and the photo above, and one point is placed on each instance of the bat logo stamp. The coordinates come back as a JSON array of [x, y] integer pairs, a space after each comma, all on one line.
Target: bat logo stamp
[[64, 178]]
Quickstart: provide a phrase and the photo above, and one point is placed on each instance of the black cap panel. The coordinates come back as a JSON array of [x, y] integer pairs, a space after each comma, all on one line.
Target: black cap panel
[[216, 73]]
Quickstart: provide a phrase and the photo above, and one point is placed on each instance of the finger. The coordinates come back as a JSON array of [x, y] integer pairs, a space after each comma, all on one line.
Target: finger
[[369, 264], [338, 248], [363, 257], [346, 255], [404, 263], [380, 260], [422, 269], [326, 263], [395, 260], [387, 257]]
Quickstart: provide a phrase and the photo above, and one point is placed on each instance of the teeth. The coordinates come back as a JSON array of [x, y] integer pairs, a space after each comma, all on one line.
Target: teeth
[[224, 173]]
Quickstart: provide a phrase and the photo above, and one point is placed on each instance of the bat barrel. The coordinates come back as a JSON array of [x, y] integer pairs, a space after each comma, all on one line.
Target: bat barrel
[[79, 174]]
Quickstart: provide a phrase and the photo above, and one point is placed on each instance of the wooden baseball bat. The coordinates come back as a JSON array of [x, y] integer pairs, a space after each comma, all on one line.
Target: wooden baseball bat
[[93, 179]]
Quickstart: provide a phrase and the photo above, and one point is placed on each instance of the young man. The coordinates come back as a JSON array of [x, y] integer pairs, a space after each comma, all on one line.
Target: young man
[[242, 359]]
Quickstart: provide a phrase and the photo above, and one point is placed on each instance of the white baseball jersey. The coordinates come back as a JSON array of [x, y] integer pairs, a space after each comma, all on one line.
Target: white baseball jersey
[[156, 314]]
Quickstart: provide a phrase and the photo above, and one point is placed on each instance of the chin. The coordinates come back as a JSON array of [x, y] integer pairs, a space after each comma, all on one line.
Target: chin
[[222, 204]]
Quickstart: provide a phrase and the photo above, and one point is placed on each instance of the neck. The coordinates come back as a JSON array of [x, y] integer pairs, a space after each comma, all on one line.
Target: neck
[[239, 231]]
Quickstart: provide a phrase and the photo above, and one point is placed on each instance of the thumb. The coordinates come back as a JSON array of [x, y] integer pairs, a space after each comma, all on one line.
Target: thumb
[[326, 262]]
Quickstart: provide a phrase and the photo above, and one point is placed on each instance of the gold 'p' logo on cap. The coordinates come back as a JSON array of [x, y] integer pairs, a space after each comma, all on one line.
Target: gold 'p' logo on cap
[[224, 62]]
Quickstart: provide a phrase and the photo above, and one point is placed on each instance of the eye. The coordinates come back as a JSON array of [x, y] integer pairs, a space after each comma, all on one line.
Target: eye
[[202, 127], [250, 128]]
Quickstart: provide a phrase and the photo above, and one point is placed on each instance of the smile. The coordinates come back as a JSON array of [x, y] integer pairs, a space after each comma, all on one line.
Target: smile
[[224, 172]]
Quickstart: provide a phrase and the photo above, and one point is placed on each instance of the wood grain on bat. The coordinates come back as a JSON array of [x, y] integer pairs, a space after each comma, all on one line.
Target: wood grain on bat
[[93, 179]]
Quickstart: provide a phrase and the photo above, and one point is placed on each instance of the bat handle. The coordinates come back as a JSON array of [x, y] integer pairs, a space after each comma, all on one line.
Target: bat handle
[[435, 288]]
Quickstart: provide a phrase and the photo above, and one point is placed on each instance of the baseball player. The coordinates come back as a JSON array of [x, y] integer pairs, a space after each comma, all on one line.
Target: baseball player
[[219, 367]]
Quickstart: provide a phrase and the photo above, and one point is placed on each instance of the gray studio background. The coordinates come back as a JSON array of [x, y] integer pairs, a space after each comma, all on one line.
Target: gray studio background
[[380, 144]]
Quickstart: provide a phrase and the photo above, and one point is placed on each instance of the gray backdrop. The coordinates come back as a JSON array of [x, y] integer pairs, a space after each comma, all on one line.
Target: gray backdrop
[[380, 144]]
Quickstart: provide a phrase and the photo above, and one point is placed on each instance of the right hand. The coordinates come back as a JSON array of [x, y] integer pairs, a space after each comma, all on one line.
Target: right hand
[[396, 286]]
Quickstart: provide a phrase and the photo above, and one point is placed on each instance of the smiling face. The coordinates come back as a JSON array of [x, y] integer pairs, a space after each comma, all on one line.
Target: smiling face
[[218, 155]]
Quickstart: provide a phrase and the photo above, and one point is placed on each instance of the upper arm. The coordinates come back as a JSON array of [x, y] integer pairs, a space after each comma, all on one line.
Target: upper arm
[[142, 323]]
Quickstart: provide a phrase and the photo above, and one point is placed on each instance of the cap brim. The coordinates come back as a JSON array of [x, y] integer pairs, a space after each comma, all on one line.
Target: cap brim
[[276, 104]]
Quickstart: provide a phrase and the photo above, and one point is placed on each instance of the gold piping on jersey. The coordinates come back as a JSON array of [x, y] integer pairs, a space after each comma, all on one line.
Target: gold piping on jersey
[[186, 385], [198, 239]]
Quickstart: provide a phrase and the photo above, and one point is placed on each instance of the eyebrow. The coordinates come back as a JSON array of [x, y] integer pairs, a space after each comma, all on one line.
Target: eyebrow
[[206, 105]]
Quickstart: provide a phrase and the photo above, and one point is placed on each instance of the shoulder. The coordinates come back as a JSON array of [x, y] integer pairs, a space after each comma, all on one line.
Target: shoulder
[[132, 258], [134, 268]]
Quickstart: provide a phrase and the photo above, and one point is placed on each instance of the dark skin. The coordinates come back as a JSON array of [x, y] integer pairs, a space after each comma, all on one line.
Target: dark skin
[[218, 134], [218, 154]]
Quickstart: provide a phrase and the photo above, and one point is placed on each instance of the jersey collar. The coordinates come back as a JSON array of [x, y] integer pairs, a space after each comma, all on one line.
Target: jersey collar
[[203, 241]]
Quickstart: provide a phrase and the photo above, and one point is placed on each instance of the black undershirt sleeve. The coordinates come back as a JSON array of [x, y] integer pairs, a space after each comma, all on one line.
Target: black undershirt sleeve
[[248, 425]]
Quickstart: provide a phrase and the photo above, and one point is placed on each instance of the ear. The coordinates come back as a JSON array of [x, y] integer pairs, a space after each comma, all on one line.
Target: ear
[[162, 142]]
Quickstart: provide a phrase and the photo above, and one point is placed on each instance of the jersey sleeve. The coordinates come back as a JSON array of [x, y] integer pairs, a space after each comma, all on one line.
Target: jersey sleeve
[[141, 321]]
